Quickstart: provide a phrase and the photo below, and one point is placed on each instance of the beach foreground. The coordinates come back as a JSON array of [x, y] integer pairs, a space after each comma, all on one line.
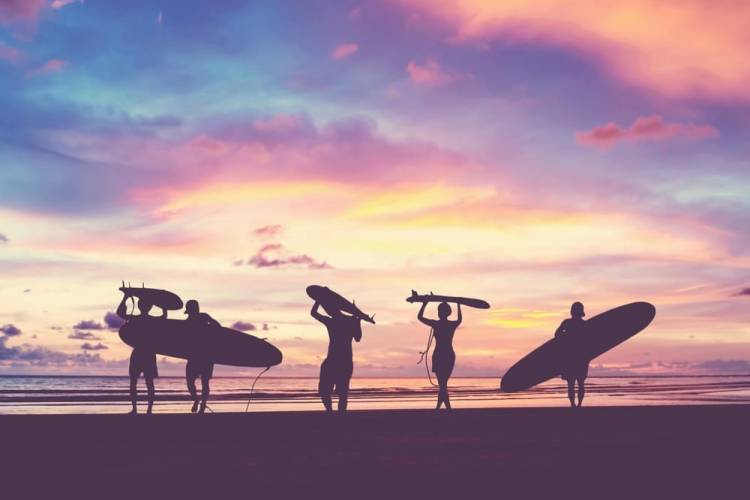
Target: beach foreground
[[590, 452]]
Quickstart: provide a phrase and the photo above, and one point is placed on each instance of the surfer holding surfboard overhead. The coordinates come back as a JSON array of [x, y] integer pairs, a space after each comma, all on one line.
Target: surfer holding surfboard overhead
[[337, 369], [143, 361], [443, 329]]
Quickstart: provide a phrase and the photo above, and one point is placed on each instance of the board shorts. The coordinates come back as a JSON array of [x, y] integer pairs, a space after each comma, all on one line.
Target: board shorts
[[443, 362], [197, 368], [575, 370], [335, 376], [143, 362]]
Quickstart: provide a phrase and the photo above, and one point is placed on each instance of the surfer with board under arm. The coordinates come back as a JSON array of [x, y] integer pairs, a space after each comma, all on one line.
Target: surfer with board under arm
[[443, 329], [197, 366], [575, 364], [142, 361]]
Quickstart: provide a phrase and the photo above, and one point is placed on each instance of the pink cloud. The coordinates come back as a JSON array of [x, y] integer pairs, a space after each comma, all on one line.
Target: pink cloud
[[20, 10], [51, 66], [652, 128], [59, 4], [344, 50], [640, 42], [430, 74], [10, 54]]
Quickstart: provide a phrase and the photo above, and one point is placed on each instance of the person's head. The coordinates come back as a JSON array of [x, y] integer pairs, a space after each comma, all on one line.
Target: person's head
[[444, 310], [192, 308], [144, 306], [576, 310]]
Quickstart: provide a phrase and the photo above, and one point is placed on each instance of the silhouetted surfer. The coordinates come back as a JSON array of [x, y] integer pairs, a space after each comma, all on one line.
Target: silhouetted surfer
[[443, 357], [575, 364], [197, 367], [141, 361], [336, 370]]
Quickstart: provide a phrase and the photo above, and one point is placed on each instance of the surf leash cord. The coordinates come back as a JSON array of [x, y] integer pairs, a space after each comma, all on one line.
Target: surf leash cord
[[423, 357], [250, 398]]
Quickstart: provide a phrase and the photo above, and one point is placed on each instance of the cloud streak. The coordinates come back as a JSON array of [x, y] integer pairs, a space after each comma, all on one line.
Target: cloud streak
[[344, 51], [274, 255], [645, 128]]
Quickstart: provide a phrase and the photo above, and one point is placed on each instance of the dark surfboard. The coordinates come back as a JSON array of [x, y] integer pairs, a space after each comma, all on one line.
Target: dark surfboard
[[464, 301], [332, 301], [163, 299], [181, 339], [602, 333]]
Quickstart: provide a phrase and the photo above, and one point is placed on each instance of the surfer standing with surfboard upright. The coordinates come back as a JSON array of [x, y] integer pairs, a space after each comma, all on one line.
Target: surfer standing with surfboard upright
[[575, 364], [141, 360]]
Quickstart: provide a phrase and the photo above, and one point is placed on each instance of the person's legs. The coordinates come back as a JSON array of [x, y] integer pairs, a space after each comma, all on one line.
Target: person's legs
[[572, 391], [443, 397], [205, 391], [190, 379], [342, 388], [134, 392], [151, 392], [581, 390], [325, 387]]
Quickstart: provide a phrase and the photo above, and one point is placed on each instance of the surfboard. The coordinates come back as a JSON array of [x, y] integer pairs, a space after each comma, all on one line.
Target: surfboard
[[331, 300], [464, 301], [163, 299], [602, 333], [181, 339]]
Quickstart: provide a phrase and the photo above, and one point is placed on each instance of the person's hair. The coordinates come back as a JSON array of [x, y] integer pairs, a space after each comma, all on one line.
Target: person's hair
[[192, 304], [444, 310], [577, 310]]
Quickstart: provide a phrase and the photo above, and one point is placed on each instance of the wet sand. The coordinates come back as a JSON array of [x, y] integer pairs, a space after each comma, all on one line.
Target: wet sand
[[675, 451]]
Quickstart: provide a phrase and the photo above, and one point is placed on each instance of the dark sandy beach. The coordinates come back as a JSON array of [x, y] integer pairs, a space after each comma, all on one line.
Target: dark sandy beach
[[678, 451]]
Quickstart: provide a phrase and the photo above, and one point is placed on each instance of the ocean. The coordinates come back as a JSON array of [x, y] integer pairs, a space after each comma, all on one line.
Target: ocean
[[90, 394]]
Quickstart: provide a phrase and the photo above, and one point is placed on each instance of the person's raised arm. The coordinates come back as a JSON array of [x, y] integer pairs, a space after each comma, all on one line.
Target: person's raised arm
[[459, 318], [122, 309], [315, 314], [358, 332], [420, 315]]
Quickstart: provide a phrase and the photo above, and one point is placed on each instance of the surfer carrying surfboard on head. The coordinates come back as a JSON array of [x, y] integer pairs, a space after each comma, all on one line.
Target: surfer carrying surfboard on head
[[141, 360], [575, 364], [199, 367], [443, 357], [443, 329]]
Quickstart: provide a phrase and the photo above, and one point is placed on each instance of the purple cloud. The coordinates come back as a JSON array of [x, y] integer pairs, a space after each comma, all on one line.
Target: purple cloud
[[88, 325], [81, 335], [10, 330], [3, 238], [93, 347], [268, 231], [113, 321], [243, 326], [274, 255], [744, 291], [42, 356]]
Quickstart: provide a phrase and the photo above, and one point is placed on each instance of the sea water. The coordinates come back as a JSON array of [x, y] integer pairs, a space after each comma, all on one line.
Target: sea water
[[90, 394]]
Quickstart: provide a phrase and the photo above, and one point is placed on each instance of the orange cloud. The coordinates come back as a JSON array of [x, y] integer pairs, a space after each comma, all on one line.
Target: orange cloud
[[344, 50], [652, 128], [680, 49]]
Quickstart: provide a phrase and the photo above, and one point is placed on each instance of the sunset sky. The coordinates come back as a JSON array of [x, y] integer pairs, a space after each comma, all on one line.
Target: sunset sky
[[527, 153]]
